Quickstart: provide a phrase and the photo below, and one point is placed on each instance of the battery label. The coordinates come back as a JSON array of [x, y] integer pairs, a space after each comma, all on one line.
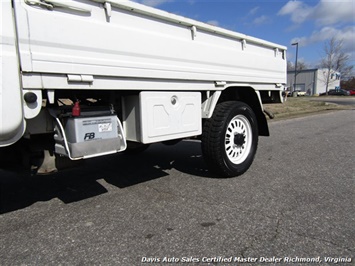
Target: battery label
[[106, 127], [96, 121]]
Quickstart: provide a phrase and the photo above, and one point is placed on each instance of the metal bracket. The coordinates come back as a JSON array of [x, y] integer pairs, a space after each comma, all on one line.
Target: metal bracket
[[108, 9], [50, 4], [70, 5], [50, 96], [39, 3], [244, 44], [80, 78], [193, 32], [210, 103], [220, 83]]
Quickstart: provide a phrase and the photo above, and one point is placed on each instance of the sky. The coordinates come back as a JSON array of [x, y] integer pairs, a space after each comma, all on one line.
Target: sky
[[309, 22]]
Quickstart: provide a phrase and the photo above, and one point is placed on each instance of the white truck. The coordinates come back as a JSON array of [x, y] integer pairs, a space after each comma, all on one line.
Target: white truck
[[86, 78]]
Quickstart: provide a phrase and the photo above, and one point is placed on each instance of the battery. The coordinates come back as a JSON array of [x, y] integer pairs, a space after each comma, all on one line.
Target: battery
[[90, 136], [82, 129]]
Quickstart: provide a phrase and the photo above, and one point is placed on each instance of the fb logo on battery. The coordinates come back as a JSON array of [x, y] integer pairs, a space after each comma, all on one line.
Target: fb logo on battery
[[89, 136]]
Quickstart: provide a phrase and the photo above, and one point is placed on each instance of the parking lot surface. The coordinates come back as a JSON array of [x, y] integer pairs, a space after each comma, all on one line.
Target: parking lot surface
[[294, 206]]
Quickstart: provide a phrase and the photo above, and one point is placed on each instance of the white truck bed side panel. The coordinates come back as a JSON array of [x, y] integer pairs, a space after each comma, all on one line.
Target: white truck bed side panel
[[130, 44]]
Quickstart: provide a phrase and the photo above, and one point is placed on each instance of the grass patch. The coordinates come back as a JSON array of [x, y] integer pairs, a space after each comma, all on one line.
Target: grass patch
[[301, 106]]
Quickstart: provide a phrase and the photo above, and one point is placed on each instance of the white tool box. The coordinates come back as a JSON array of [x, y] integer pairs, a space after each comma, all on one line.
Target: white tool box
[[161, 116]]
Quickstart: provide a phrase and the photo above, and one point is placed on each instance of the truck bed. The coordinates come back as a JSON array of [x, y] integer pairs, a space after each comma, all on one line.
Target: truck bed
[[125, 45]]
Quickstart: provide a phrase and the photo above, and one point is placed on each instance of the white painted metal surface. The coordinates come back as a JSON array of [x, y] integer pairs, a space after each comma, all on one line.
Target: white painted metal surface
[[31, 110], [170, 115], [124, 39], [159, 116], [12, 123]]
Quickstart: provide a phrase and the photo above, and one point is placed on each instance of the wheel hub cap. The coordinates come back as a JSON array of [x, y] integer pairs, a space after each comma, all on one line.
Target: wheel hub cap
[[239, 139]]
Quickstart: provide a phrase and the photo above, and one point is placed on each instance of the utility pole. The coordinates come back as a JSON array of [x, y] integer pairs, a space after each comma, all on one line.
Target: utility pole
[[294, 94]]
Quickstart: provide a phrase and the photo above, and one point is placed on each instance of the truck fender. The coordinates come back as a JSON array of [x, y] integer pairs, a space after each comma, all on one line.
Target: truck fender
[[244, 94]]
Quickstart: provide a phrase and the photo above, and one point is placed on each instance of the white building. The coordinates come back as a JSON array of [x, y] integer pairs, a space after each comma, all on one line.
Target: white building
[[313, 81]]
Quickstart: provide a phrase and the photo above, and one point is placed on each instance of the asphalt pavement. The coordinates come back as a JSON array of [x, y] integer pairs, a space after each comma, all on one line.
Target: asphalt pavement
[[294, 206]]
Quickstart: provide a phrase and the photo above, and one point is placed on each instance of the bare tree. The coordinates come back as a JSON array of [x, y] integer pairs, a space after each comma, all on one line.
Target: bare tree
[[300, 66], [290, 66], [334, 61], [348, 84], [342, 65]]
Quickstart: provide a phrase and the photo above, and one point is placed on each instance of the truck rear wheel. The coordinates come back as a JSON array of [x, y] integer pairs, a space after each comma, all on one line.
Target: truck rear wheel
[[230, 139]]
